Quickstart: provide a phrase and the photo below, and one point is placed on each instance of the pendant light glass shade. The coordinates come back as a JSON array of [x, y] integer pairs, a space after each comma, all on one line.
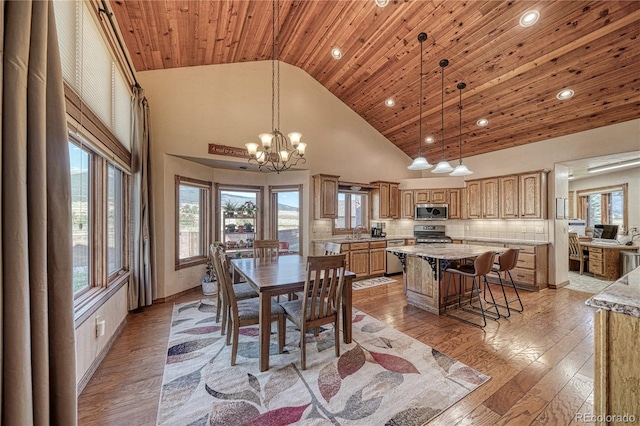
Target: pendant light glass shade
[[420, 163], [461, 169], [443, 166]]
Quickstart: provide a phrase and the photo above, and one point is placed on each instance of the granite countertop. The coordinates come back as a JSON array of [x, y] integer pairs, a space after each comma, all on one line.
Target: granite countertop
[[444, 251], [622, 296], [349, 239], [503, 240]]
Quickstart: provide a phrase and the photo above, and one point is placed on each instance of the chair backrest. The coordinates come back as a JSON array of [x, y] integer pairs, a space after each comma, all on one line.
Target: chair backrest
[[266, 248], [331, 248], [484, 263], [323, 286], [574, 245], [508, 259], [224, 279]]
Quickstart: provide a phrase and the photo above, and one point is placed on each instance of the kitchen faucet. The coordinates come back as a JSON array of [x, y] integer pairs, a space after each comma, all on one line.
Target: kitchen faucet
[[356, 232]]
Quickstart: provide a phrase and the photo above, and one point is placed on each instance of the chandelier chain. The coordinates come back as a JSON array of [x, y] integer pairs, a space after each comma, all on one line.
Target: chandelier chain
[[420, 118]]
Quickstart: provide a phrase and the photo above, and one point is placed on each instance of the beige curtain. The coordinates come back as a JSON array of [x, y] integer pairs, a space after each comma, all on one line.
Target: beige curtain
[[142, 289], [37, 329]]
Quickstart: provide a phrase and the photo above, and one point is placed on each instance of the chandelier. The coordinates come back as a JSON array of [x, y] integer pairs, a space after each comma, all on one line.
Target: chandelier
[[443, 166], [420, 163], [461, 169], [278, 152]]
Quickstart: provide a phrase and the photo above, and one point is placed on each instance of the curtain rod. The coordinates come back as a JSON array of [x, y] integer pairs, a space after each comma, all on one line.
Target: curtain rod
[[105, 10]]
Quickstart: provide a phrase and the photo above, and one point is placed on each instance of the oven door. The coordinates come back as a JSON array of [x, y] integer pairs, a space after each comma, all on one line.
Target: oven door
[[431, 212]]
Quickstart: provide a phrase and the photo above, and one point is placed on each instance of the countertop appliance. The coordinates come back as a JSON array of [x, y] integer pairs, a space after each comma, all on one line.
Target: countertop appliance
[[431, 212], [578, 225], [430, 234], [394, 266]]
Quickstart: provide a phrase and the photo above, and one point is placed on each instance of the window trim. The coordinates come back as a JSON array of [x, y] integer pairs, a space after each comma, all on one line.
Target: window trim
[[219, 221], [343, 231], [273, 224], [205, 221], [582, 195], [126, 229]]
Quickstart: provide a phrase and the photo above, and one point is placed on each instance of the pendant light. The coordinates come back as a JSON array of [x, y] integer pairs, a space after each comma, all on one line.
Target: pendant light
[[461, 169], [420, 163], [443, 166]]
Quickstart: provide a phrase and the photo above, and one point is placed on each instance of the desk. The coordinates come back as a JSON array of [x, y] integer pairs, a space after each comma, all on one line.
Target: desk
[[284, 275], [604, 259], [423, 269]]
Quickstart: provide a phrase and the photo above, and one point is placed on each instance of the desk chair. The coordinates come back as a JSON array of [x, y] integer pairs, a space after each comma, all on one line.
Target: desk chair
[[323, 287], [481, 267], [576, 252]]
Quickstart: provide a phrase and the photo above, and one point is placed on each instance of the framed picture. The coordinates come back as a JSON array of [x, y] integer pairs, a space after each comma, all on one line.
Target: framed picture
[[560, 209]]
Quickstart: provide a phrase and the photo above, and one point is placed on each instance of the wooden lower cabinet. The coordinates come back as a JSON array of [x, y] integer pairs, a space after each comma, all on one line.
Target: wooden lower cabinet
[[617, 372], [377, 261], [359, 262]]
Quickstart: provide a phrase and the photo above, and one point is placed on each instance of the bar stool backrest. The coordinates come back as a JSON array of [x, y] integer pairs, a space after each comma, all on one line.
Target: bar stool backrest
[[484, 263], [508, 260]]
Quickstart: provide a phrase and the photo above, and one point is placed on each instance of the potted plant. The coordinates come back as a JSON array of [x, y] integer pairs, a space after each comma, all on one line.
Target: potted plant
[[248, 227], [230, 228], [230, 209], [249, 209]]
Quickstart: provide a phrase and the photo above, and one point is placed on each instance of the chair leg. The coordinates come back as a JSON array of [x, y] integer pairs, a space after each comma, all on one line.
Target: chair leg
[[282, 330], [228, 340], [517, 299], [225, 318], [234, 347], [504, 296], [218, 306], [303, 348], [337, 336]]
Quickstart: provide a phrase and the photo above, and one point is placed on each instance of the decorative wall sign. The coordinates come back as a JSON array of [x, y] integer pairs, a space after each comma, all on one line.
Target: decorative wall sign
[[228, 151]]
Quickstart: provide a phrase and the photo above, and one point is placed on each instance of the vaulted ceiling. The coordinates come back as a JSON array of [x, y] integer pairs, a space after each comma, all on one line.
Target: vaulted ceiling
[[512, 73]]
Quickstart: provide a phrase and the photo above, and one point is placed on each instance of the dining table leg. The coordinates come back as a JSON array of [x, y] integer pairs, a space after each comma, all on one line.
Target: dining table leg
[[347, 311], [265, 330]]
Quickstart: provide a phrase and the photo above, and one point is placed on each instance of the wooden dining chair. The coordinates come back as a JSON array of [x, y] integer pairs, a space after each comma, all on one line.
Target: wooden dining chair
[[323, 287], [331, 248], [241, 291], [244, 312], [576, 252], [266, 248]]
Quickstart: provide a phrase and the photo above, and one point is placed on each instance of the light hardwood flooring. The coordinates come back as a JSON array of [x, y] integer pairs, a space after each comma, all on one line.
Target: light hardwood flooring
[[540, 361]]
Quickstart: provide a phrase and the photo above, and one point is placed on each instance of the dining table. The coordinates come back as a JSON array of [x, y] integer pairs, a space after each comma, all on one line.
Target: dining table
[[283, 275]]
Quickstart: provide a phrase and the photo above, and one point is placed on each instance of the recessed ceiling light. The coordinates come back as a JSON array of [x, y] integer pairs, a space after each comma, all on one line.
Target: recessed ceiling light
[[389, 102], [429, 139], [529, 18], [565, 94], [336, 52], [482, 122], [382, 3]]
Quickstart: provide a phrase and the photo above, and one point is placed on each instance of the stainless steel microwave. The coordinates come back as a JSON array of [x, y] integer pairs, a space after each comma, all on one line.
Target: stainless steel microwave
[[432, 212]]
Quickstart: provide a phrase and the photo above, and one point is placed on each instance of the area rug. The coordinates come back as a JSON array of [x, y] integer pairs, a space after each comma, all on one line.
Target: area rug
[[586, 283], [372, 282], [382, 377]]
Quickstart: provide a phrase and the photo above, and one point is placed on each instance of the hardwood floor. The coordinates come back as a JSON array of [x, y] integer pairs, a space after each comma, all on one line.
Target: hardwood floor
[[540, 361]]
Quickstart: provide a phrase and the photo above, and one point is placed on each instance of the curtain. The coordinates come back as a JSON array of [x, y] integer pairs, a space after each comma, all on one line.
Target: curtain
[[142, 288], [36, 299]]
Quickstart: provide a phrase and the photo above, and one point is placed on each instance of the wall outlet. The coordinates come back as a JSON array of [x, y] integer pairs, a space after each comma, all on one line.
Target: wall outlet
[[466, 227], [539, 230], [101, 326], [524, 229]]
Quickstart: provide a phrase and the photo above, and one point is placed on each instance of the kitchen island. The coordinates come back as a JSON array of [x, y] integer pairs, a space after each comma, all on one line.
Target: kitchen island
[[423, 277]]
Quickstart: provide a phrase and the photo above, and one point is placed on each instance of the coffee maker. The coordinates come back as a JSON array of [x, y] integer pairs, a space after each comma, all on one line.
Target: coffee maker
[[377, 229]]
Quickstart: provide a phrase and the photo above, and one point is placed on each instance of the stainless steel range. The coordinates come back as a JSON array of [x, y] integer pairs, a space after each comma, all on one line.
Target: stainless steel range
[[430, 234]]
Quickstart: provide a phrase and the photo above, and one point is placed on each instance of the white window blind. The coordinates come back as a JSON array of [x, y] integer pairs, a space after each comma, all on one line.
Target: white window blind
[[89, 68]]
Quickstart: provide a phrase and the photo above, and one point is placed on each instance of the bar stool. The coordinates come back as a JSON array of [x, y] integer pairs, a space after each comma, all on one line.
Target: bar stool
[[506, 262], [481, 267]]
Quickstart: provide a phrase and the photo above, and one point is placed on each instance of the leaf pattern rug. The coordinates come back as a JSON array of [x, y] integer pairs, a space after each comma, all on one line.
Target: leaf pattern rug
[[383, 377]]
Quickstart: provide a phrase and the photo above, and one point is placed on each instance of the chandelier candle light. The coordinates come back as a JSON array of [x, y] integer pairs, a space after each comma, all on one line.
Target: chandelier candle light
[[420, 163], [461, 169], [443, 166], [279, 152]]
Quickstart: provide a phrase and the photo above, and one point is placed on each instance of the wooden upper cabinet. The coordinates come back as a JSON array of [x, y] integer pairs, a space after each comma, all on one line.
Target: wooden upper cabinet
[[406, 204], [490, 200], [533, 195], [325, 196], [386, 200], [509, 197], [440, 196], [455, 204], [422, 196], [474, 199]]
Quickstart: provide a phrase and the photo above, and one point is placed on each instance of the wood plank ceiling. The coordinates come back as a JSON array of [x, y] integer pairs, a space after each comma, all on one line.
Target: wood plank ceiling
[[512, 73]]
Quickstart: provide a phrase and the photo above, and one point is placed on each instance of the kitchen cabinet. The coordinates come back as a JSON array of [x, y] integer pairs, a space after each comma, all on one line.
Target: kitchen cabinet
[[533, 195], [377, 257], [490, 201], [386, 200], [455, 204], [422, 196], [474, 199], [432, 196], [359, 261], [509, 201], [325, 196], [531, 271], [406, 204]]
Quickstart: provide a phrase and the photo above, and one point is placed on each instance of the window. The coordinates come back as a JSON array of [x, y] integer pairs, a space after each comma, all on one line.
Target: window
[[604, 205], [285, 217], [99, 219], [80, 204], [353, 211], [193, 215], [115, 220]]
